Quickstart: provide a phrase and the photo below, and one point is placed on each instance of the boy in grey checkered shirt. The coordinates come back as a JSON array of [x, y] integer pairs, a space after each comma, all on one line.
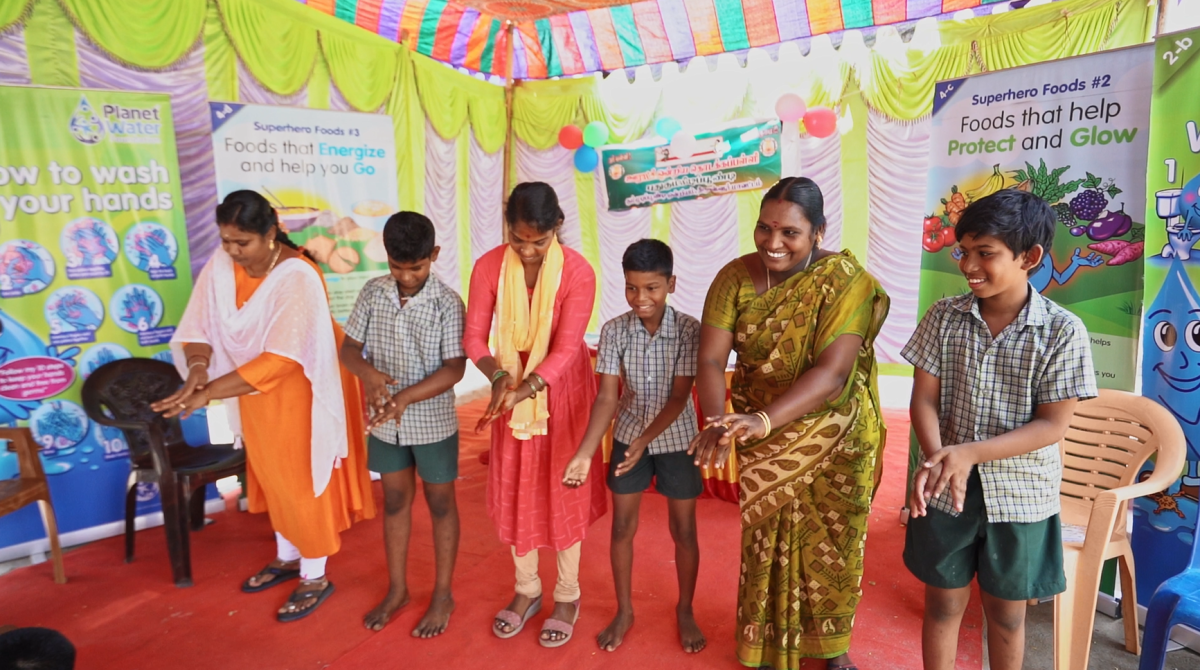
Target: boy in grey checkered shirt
[[404, 341], [651, 352], [998, 372]]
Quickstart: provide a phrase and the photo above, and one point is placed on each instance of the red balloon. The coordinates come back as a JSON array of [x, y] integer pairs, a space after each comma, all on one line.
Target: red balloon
[[570, 137], [820, 122]]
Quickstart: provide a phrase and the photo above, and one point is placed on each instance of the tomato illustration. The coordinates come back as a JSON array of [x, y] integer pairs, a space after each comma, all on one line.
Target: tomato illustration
[[948, 238], [932, 223], [932, 242]]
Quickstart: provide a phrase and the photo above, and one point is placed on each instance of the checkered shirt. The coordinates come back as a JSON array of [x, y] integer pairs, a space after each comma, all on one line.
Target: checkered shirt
[[411, 343], [648, 367], [991, 387]]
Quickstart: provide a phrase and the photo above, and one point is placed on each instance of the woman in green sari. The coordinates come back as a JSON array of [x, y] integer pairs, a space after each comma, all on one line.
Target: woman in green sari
[[807, 428]]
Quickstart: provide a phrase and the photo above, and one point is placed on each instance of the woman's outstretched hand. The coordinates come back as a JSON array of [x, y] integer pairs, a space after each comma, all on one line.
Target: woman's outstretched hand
[[740, 427], [577, 471], [707, 447], [196, 381], [192, 391], [504, 398], [176, 405]]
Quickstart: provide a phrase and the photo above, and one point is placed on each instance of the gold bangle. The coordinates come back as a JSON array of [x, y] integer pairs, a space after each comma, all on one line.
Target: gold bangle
[[766, 422]]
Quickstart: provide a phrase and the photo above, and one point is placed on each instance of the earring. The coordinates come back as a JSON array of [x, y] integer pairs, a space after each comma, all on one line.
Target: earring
[[271, 246]]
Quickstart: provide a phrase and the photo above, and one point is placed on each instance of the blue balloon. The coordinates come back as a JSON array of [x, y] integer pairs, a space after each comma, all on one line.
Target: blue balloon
[[586, 159], [666, 127]]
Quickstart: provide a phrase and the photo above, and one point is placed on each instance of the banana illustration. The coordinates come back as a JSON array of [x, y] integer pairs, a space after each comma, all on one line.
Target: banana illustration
[[989, 186]]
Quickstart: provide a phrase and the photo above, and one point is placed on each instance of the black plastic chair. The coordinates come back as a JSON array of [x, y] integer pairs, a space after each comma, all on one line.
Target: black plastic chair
[[118, 394]]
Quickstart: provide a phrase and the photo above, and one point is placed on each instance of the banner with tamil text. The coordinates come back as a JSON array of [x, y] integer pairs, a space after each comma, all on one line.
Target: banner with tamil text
[[741, 156]]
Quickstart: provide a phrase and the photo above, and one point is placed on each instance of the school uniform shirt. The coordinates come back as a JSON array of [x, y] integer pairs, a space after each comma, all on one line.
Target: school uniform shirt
[[410, 343], [992, 386], [648, 366]]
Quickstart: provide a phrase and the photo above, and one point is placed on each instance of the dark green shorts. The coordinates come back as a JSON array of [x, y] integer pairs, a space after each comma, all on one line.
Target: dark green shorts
[[436, 463], [1014, 561]]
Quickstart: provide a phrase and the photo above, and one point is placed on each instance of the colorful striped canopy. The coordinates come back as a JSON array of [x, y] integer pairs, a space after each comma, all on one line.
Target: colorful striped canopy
[[571, 37]]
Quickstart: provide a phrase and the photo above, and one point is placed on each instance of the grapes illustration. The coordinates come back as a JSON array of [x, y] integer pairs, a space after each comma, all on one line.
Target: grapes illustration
[[1062, 211], [1088, 204]]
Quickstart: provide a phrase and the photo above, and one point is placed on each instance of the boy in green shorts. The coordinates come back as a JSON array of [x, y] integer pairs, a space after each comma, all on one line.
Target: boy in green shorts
[[651, 352], [404, 341], [998, 372]]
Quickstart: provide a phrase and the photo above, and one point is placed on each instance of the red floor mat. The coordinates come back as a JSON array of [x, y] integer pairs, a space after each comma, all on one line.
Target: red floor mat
[[131, 616]]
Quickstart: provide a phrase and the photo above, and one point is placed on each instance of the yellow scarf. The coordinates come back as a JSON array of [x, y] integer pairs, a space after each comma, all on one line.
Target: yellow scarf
[[524, 325]]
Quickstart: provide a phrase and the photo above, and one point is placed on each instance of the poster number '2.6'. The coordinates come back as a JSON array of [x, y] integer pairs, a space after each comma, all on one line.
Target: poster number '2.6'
[[1172, 56]]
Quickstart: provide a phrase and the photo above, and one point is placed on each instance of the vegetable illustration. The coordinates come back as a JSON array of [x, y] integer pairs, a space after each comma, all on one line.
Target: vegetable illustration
[[932, 242], [993, 183], [955, 205], [1044, 183], [1109, 248], [1122, 252], [947, 235], [1078, 230], [1129, 253], [1112, 224], [932, 223]]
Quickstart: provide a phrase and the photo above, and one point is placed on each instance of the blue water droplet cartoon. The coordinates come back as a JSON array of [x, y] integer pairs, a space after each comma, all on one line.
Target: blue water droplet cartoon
[[93, 467], [1171, 354], [87, 450], [83, 460], [85, 125]]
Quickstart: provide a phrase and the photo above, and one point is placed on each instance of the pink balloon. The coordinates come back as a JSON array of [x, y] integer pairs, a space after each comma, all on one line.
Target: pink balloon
[[820, 122], [790, 107]]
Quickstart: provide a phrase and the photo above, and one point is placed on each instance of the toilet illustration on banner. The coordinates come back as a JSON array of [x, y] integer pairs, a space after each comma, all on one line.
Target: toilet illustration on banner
[[1179, 208]]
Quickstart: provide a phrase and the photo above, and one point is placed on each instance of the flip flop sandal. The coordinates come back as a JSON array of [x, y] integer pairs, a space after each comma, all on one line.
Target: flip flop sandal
[[557, 626], [296, 598], [281, 575], [515, 620]]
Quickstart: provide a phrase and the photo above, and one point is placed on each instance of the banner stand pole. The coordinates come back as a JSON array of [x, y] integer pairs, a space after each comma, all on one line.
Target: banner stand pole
[[509, 84]]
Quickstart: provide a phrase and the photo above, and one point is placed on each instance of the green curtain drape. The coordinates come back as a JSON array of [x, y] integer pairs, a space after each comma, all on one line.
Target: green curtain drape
[[904, 91], [364, 73], [279, 52], [451, 99], [148, 34], [13, 11]]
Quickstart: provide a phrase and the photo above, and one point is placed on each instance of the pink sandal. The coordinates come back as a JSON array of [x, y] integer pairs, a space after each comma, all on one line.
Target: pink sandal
[[554, 625], [516, 620]]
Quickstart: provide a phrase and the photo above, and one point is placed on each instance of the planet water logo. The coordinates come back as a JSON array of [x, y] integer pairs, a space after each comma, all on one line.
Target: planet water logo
[[85, 125], [125, 124]]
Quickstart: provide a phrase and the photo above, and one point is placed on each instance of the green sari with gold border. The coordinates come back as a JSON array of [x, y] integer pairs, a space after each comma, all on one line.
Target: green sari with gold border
[[806, 489]]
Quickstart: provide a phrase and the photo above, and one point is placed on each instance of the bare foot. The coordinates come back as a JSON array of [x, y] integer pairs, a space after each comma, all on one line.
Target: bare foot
[[610, 638], [520, 604], [436, 618], [377, 618], [564, 612], [689, 633]]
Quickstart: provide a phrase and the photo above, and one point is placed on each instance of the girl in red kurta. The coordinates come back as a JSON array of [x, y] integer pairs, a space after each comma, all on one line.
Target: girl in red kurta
[[541, 294]]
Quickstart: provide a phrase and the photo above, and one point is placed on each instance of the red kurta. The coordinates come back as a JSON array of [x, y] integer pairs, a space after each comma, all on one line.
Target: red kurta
[[526, 497]]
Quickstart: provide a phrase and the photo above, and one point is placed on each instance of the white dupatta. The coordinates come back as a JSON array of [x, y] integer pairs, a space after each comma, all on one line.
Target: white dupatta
[[288, 316]]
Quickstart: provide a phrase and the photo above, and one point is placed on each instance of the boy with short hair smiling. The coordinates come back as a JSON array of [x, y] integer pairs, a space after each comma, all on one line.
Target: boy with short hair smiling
[[998, 373], [404, 341], [651, 351]]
